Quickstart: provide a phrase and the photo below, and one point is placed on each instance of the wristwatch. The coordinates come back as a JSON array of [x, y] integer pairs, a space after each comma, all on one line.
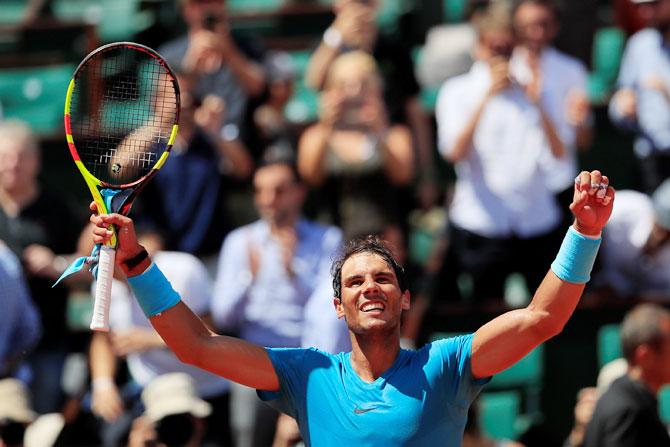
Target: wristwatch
[[332, 38]]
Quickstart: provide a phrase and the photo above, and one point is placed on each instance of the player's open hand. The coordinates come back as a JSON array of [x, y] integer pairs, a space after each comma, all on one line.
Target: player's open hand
[[127, 245], [592, 203]]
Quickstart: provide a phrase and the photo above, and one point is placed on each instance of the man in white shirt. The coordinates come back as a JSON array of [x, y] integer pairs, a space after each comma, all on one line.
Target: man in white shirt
[[497, 132], [132, 337], [563, 83]]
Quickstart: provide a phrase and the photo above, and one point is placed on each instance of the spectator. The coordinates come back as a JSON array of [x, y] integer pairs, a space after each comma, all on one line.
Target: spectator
[[225, 63], [273, 285], [563, 89], [16, 413], [21, 328], [355, 29], [636, 248], [354, 153], [187, 198], [133, 338], [642, 102], [627, 414], [586, 403], [497, 133], [27, 215], [174, 414]]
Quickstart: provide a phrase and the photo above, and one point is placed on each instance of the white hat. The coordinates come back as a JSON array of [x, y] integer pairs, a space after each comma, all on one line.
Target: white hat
[[173, 393], [14, 401]]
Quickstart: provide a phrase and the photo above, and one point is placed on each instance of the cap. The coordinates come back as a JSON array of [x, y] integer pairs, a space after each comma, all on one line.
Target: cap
[[171, 394], [661, 201], [14, 401]]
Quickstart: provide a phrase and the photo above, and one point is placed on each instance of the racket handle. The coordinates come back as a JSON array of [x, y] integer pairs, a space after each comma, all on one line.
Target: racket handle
[[103, 289]]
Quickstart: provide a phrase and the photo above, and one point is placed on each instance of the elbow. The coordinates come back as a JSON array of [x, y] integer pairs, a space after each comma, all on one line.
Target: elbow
[[548, 326]]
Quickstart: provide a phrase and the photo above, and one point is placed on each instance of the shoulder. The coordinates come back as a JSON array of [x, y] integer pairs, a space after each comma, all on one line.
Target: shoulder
[[643, 40], [565, 62], [243, 234], [327, 235], [174, 48], [8, 261], [453, 87]]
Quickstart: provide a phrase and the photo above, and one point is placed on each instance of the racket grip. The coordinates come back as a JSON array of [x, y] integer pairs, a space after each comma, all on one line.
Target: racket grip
[[103, 289]]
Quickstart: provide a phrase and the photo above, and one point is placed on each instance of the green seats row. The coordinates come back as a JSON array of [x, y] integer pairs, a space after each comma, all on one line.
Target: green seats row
[[303, 107], [608, 46], [36, 95]]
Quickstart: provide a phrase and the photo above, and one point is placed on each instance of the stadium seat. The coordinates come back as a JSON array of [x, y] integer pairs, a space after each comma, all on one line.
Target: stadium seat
[[608, 46], [12, 11], [36, 95], [251, 6], [116, 19], [303, 106], [498, 414], [664, 404], [453, 11], [609, 344]]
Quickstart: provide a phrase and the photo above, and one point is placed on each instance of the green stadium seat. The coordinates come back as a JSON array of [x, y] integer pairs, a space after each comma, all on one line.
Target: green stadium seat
[[453, 11], [251, 6], [36, 95], [12, 11], [498, 414], [664, 404], [303, 107], [608, 46], [609, 344], [116, 20]]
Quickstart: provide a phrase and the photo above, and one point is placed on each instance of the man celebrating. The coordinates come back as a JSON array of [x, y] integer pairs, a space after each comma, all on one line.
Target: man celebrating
[[377, 394]]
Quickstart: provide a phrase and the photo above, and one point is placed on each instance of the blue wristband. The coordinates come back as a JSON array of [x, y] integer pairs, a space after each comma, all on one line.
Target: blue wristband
[[153, 291], [576, 257]]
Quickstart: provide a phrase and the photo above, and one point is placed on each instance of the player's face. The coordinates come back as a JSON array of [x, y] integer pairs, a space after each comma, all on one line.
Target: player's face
[[19, 165], [277, 194], [371, 299], [535, 26]]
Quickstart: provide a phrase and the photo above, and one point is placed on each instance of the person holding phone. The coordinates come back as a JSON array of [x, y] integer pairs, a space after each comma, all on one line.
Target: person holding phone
[[354, 152], [503, 217]]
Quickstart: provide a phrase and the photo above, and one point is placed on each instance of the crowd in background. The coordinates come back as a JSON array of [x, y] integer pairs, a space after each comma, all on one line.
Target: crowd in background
[[249, 210]]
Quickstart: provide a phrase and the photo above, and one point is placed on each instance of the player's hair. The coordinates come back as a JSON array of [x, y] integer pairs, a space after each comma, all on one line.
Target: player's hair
[[366, 244], [642, 326], [18, 131]]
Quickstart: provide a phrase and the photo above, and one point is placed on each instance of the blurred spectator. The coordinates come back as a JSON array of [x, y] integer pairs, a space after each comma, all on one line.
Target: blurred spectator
[[21, 327], [27, 215], [627, 414], [503, 215], [354, 153], [635, 258], [563, 82], [225, 63], [586, 403], [355, 29], [16, 413], [133, 338], [609, 373], [174, 414], [186, 199], [642, 103], [273, 287], [272, 130]]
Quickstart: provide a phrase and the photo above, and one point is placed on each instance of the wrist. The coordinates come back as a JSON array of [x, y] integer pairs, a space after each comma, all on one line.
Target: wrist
[[137, 263], [590, 232], [102, 383]]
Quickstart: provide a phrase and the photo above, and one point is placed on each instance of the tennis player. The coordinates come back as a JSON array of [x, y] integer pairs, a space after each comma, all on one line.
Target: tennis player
[[377, 394]]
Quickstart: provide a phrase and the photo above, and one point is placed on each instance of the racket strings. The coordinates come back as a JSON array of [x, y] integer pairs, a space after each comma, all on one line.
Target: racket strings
[[124, 105]]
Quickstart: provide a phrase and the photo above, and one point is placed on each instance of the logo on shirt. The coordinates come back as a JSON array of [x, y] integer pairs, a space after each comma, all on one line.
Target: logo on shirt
[[363, 410]]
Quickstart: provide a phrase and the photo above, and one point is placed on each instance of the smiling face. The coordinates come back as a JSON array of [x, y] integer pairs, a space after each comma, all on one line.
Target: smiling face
[[370, 298]]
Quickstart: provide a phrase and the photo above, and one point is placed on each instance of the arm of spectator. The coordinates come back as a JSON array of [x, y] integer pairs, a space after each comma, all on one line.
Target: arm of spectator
[[233, 278], [106, 399], [580, 117], [312, 149], [134, 340], [235, 156], [506, 339], [248, 72], [398, 155], [623, 109], [534, 94]]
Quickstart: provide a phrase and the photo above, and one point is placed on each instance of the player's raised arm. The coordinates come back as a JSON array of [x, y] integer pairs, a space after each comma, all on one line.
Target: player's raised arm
[[183, 332], [505, 340]]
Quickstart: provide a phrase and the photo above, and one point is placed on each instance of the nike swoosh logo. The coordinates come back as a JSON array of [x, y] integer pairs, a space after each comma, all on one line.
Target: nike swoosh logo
[[363, 410]]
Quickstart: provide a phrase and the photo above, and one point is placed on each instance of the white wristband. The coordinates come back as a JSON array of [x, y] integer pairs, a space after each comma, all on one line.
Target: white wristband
[[332, 38]]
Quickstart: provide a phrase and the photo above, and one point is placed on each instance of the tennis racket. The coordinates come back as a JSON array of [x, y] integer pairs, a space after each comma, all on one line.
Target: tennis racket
[[121, 119]]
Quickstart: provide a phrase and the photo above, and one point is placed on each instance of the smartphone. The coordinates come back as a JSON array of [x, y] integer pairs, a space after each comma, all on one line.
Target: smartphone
[[350, 117]]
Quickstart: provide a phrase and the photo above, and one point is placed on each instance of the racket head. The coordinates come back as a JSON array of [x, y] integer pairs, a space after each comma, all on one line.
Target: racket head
[[121, 116]]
